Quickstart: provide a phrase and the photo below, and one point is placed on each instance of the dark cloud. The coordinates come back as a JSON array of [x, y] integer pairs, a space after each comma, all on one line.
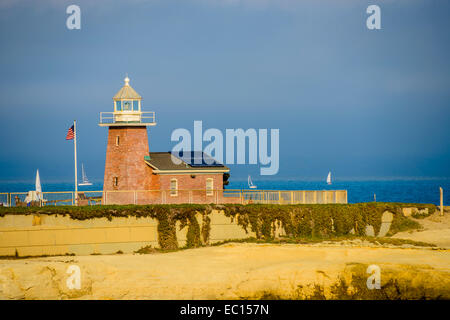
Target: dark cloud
[[359, 102]]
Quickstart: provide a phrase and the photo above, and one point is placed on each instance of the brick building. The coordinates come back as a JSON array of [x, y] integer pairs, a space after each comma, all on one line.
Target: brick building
[[140, 176]]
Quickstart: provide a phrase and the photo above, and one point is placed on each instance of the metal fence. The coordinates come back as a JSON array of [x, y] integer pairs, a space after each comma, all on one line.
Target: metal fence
[[4, 198], [294, 196], [175, 197], [146, 117]]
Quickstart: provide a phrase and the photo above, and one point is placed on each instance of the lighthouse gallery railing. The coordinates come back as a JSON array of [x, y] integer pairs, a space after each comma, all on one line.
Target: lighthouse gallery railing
[[113, 117]]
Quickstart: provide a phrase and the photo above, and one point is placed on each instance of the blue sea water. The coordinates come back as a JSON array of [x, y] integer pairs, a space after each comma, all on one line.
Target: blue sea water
[[409, 191]]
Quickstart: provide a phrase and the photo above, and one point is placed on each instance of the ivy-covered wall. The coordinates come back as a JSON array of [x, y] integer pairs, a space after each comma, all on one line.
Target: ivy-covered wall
[[320, 220], [259, 221]]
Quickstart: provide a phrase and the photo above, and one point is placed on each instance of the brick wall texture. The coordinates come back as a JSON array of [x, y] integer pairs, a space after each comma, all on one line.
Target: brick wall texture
[[125, 152]]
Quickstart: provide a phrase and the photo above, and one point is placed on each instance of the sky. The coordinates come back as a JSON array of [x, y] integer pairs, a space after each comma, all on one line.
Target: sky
[[361, 103]]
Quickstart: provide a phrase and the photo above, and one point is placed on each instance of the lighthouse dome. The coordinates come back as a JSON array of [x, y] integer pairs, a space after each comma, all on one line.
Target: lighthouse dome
[[127, 92]]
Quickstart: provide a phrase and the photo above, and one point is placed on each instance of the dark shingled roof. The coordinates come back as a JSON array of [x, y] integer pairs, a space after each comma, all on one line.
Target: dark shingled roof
[[164, 161]]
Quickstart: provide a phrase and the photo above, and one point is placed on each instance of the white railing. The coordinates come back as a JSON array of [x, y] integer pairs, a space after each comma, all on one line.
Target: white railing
[[181, 196], [127, 117]]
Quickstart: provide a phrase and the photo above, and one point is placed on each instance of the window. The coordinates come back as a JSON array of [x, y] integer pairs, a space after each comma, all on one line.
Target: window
[[209, 187], [135, 105], [117, 141], [118, 106], [115, 181], [127, 106], [173, 187]]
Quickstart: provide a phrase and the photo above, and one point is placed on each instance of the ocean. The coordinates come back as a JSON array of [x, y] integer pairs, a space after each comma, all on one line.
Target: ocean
[[409, 191]]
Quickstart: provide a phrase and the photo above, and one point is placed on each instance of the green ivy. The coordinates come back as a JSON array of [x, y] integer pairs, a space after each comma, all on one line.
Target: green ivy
[[299, 221], [319, 220]]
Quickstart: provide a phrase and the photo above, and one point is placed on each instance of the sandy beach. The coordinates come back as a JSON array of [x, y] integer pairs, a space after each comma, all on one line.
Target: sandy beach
[[231, 271], [436, 230], [327, 270]]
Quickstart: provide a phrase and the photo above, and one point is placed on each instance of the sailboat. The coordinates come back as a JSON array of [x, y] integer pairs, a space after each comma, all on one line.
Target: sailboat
[[35, 195], [250, 183], [84, 179], [38, 184], [329, 178]]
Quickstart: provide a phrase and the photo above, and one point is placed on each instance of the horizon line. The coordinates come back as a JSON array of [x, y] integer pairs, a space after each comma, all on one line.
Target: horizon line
[[268, 178]]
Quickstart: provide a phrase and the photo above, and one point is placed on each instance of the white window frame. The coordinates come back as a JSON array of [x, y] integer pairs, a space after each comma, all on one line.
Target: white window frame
[[132, 105], [115, 105], [210, 191], [173, 192]]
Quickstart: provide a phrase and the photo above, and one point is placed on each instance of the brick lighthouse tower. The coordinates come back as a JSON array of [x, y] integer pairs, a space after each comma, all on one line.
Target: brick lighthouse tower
[[125, 168]]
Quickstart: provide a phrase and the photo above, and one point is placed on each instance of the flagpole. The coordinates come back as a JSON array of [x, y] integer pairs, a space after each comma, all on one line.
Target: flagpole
[[75, 155]]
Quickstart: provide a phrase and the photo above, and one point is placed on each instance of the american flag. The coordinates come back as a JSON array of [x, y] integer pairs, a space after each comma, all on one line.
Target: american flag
[[70, 133]]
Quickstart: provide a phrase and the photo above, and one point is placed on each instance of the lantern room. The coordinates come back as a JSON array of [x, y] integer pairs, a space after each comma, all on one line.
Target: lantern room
[[127, 109]]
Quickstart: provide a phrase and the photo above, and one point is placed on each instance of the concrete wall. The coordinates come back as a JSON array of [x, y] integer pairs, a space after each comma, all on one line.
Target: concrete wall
[[32, 235]]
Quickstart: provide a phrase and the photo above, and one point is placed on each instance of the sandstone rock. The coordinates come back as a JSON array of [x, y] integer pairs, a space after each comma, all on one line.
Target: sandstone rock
[[407, 211], [386, 220], [370, 232]]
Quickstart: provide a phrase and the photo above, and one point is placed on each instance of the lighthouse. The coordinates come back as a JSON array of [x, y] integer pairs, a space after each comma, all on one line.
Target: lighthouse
[[134, 175], [127, 146]]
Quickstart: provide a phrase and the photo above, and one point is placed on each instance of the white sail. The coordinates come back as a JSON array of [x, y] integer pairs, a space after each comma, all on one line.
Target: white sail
[[250, 183], [329, 178], [84, 179], [38, 183], [83, 175], [35, 195]]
